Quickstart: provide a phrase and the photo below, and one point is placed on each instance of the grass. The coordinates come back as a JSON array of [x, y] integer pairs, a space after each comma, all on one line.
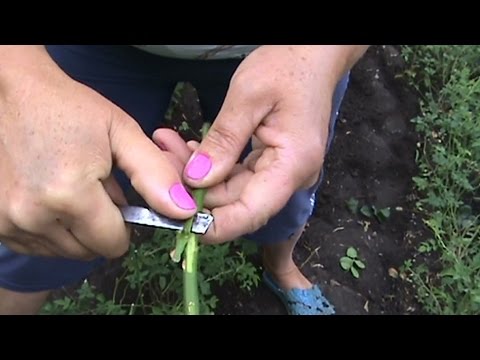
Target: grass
[[152, 284], [446, 269]]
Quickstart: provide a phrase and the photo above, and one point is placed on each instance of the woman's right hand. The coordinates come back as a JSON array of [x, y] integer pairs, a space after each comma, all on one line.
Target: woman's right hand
[[58, 142]]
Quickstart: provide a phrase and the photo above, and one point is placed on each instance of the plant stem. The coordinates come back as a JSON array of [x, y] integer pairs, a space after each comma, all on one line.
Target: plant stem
[[190, 280]]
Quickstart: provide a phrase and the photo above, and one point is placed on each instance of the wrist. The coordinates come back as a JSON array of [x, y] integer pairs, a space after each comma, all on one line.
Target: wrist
[[19, 63], [332, 62]]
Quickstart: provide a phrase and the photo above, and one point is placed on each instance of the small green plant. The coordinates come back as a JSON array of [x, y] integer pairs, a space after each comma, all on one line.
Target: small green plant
[[184, 126], [352, 205], [352, 263], [371, 211]]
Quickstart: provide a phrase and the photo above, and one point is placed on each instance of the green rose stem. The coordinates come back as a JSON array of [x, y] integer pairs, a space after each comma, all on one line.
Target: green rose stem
[[189, 241], [190, 280]]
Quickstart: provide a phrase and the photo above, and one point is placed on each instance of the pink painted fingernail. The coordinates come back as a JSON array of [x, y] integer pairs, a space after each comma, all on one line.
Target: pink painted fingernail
[[199, 167], [181, 197]]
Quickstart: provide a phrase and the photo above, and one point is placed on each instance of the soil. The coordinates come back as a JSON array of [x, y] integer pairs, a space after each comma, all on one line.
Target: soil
[[372, 159]]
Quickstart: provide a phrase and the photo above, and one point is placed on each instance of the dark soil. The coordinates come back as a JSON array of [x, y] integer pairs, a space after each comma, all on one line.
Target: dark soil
[[372, 159]]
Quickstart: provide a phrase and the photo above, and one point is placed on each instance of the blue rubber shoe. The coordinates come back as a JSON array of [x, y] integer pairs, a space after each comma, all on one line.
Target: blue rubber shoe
[[301, 301]]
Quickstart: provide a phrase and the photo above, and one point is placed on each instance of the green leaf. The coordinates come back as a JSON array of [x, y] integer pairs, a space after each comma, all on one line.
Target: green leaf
[[424, 248], [204, 288], [346, 263], [352, 205], [181, 243], [184, 126], [354, 272], [162, 282], [448, 272], [366, 211], [351, 252], [383, 214], [360, 264]]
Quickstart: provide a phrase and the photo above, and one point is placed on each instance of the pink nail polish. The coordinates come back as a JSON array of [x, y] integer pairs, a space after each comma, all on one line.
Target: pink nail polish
[[199, 167], [181, 197]]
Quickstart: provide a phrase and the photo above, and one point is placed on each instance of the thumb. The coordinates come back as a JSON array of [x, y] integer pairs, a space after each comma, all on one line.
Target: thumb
[[220, 150], [149, 170]]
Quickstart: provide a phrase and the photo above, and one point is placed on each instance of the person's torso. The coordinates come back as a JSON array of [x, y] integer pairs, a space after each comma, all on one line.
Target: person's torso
[[200, 52]]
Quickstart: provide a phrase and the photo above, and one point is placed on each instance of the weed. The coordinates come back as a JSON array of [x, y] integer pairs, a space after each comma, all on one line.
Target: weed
[[448, 157], [352, 263], [152, 284]]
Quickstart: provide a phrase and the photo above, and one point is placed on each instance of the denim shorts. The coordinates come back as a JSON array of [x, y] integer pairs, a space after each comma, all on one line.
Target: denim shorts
[[142, 83]]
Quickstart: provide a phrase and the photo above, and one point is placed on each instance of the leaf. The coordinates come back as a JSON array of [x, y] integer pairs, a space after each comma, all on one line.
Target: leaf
[[360, 264], [352, 205], [181, 243], [354, 272], [346, 263], [448, 272], [156, 310], [366, 211], [351, 252], [184, 126], [162, 282], [204, 288], [383, 214], [424, 248]]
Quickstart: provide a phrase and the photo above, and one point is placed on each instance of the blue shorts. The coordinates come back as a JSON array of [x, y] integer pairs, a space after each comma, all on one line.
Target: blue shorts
[[142, 84]]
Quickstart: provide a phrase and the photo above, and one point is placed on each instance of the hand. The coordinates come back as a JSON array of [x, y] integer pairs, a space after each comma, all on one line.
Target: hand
[[58, 141], [282, 95]]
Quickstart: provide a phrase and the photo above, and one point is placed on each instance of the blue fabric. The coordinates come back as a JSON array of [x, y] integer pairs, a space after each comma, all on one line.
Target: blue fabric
[[142, 84]]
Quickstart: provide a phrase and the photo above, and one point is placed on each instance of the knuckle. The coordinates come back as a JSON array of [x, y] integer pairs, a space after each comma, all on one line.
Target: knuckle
[[20, 212], [243, 85], [7, 228], [222, 138], [61, 201], [59, 195]]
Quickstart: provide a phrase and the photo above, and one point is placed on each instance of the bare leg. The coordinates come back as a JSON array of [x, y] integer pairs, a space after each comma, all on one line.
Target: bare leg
[[278, 261], [16, 303]]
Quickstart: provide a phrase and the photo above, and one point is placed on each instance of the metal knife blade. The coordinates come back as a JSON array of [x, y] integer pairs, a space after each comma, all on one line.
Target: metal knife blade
[[143, 216]]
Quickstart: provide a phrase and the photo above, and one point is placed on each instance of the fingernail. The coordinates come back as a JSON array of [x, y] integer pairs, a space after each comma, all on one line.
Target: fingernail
[[181, 197], [199, 167]]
